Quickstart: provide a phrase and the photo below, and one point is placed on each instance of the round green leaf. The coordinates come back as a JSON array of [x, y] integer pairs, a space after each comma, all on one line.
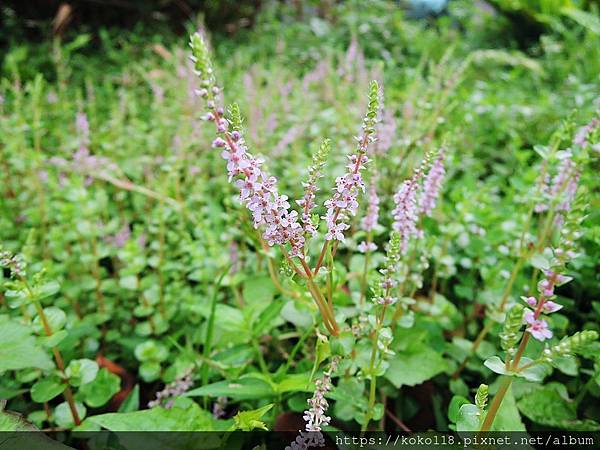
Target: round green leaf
[[81, 371], [46, 389], [63, 416], [495, 364], [101, 390]]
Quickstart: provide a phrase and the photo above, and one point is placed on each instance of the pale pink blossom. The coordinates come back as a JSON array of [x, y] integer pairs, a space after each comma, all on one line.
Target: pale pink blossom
[[406, 213], [432, 185], [550, 307], [365, 247], [370, 220], [538, 328]]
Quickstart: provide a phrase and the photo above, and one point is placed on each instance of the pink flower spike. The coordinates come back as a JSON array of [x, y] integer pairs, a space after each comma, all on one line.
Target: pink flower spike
[[550, 307], [538, 328]]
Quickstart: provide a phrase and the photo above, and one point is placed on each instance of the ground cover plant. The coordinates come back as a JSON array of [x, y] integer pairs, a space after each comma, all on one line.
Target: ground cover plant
[[338, 219]]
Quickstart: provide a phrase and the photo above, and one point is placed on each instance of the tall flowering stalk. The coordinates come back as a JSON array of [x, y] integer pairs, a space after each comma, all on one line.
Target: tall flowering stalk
[[411, 201], [258, 190], [271, 211], [368, 223], [381, 337], [432, 185], [533, 317], [343, 204], [386, 131], [307, 202], [553, 195]]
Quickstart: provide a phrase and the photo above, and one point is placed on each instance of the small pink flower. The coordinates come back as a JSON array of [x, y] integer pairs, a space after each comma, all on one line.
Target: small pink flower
[[538, 328], [531, 301], [365, 247], [550, 307]]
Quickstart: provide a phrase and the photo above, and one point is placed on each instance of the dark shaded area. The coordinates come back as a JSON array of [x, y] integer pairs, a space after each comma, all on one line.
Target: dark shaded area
[[40, 19]]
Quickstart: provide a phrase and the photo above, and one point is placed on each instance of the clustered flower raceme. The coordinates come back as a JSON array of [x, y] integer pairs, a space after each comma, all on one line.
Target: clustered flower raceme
[[82, 162], [307, 202], [581, 138], [14, 263], [369, 222], [536, 326], [166, 397], [382, 290], [406, 212], [432, 185], [561, 190], [410, 205], [315, 416], [258, 190], [343, 204], [386, 131]]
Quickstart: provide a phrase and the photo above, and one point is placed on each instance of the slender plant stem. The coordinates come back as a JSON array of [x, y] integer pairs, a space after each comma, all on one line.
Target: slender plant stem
[[363, 281], [58, 358], [372, 368], [495, 405], [209, 331]]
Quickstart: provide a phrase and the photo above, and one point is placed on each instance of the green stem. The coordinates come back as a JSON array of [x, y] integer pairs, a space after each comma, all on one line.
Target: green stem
[[209, 331], [372, 370], [68, 394], [363, 281], [495, 405], [259, 357]]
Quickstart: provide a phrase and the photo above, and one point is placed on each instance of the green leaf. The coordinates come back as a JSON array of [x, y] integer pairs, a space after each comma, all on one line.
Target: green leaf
[[508, 417], [536, 372], [183, 416], [250, 420], [54, 340], [297, 382], [129, 282], [549, 405], [46, 389], [101, 390], [342, 344], [243, 389], [269, 319], [323, 350], [64, 417], [81, 371], [151, 350], [566, 364], [10, 421], [583, 18], [149, 371], [468, 418], [348, 405], [18, 348], [495, 364], [55, 317], [455, 404], [259, 293], [415, 365], [132, 402], [539, 262], [47, 290]]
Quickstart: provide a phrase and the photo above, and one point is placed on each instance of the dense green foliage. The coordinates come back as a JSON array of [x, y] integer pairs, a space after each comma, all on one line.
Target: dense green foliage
[[137, 266]]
